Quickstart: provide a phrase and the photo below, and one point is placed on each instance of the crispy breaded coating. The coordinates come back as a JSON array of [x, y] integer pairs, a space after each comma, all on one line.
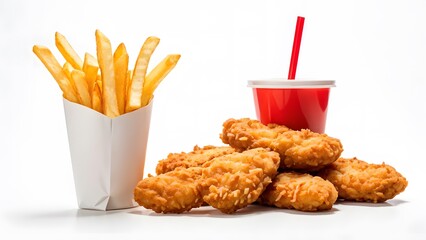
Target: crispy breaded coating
[[233, 181], [300, 191], [357, 180], [172, 192], [196, 158], [299, 150], [306, 150], [245, 133]]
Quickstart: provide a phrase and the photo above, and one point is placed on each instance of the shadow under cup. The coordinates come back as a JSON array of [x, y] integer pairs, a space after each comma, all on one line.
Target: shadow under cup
[[297, 104]]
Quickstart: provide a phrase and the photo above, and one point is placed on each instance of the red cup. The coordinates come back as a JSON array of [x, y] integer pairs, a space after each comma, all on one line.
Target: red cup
[[297, 104]]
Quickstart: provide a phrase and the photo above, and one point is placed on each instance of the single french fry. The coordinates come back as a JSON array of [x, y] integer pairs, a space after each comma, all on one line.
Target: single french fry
[[68, 70], [97, 98], [121, 62], [99, 82], [134, 95], [67, 51], [106, 64], [128, 81], [157, 74], [90, 69], [82, 87], [53, 66]]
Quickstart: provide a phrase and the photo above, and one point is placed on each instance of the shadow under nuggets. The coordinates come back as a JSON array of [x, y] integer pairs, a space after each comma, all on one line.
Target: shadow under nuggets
[[254, 209], [389, 203]]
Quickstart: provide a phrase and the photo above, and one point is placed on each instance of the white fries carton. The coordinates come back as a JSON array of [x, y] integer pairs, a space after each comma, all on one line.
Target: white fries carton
[[108, 155]]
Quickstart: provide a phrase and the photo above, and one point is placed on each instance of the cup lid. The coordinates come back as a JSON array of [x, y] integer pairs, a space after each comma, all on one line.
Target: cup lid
[[285, 83]]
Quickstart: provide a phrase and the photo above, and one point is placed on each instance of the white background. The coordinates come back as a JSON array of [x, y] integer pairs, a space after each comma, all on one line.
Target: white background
[[375, 50]]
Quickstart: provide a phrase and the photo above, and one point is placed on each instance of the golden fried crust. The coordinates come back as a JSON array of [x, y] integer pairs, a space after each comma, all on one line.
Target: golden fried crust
[[172, 192], [233, 181], [196, 158], [357, 180], [299, 150], [300, 191], [306, 150], [245, 132]]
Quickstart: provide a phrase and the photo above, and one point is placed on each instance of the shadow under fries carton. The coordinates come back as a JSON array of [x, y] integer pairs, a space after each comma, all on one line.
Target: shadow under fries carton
[[107, 154]]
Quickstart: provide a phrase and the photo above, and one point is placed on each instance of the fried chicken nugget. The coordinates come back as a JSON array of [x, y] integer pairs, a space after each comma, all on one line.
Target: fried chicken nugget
[[245, 133], [172, 192], [300, 191], [233, 181], [196, 158], [357, 180], [299, 150]]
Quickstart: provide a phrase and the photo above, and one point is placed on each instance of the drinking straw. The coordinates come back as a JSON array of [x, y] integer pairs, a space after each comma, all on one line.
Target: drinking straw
[[296, 47]]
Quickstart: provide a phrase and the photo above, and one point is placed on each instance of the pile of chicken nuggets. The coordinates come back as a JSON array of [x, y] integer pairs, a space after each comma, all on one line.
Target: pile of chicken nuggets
[[270, 165]]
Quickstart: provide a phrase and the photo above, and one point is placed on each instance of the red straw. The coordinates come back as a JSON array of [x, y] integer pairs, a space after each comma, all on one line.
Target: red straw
[[296, 47]]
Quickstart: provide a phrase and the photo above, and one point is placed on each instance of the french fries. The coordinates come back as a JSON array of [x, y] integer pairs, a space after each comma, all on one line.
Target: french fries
[[47, 58], [157, 75], [82, 88], [90, 68], [67, 51], [97, 98], [116, 90], [134, 98], [128, 81], [106, 64], [121, 62], [68, 70]]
